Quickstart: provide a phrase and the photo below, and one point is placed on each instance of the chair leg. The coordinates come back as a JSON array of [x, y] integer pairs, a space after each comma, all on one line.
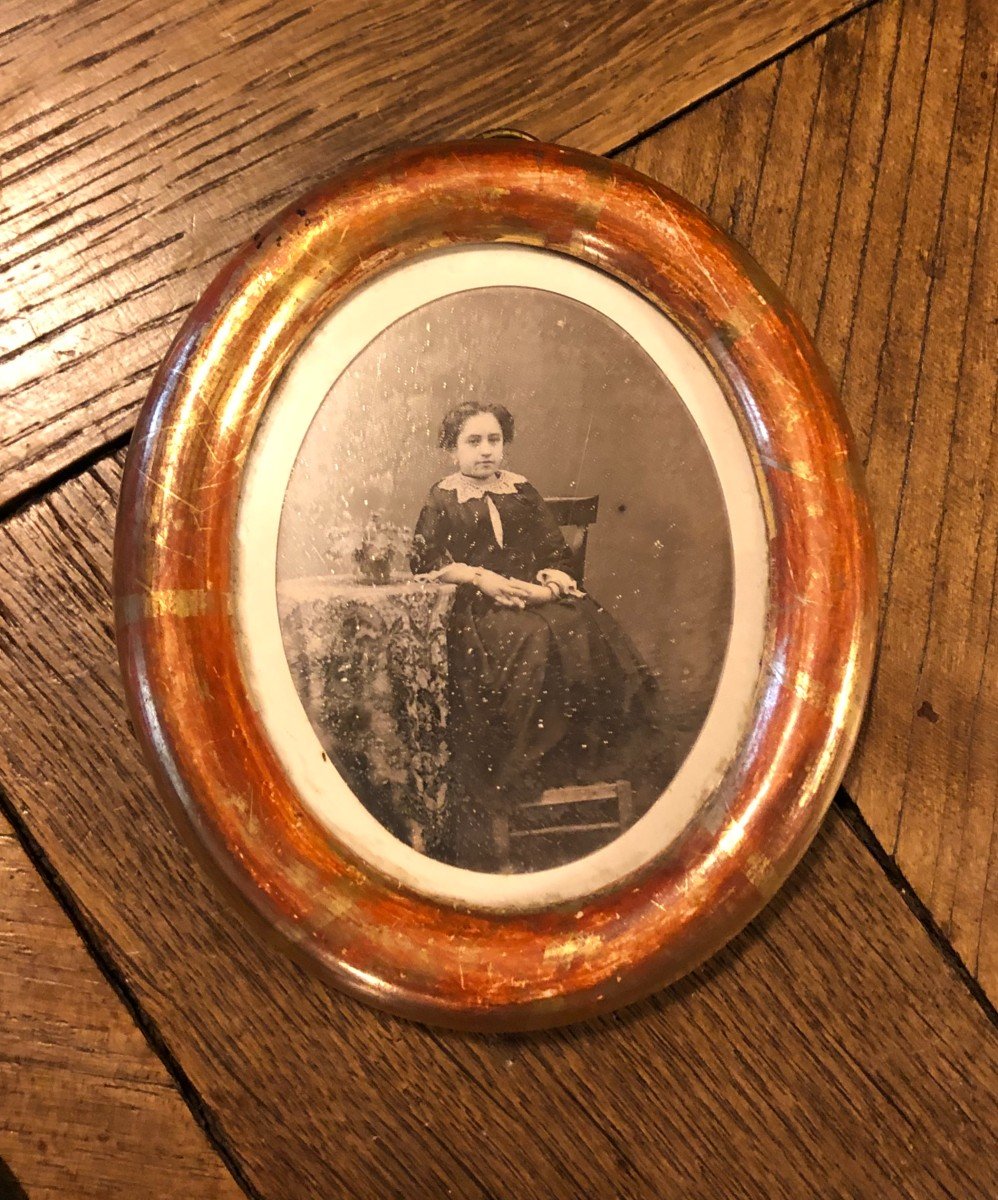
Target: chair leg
[[500, 839], [625, 804]]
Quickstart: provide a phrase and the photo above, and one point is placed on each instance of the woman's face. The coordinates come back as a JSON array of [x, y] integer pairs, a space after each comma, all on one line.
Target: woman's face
[[478, 452]]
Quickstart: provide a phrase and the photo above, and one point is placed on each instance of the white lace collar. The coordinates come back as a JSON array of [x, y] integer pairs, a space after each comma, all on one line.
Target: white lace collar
[[503, 483]]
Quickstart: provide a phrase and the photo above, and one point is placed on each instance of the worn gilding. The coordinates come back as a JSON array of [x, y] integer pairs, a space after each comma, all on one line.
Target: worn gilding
[[174, 561], [179, 602]]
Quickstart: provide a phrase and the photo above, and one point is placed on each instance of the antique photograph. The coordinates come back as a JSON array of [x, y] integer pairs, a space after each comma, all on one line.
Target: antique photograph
[[495, 599], [504, 574]]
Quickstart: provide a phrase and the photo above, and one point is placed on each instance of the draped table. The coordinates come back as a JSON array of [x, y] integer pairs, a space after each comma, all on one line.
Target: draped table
[[370, 665]]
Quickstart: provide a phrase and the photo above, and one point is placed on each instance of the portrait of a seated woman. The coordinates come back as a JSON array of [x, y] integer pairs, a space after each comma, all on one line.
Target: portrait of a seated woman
[[547, 695]]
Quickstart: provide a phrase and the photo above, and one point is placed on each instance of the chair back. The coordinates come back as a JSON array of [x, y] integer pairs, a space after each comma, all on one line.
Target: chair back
[[575, 514]]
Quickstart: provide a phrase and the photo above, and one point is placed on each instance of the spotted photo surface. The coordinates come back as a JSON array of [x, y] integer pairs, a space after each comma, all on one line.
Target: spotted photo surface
[[505, 579]]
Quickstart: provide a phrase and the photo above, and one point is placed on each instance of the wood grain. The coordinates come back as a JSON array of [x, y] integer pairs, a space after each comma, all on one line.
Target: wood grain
[[88, 1109], [859, 172], [829, 1051], [148, 148]]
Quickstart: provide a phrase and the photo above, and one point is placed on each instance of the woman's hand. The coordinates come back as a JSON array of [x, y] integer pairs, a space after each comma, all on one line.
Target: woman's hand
[[509, 593], [512, 593], [537, 593]]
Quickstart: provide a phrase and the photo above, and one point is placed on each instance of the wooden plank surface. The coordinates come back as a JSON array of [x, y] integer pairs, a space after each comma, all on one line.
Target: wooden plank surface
[[830, 1051], [139, 146], [86, 1107], [859, 171]]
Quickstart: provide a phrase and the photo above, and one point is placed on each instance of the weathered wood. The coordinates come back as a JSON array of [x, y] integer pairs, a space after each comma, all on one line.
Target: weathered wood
[[859, 172], [138, 147], [829, 1051], [87, 1108]]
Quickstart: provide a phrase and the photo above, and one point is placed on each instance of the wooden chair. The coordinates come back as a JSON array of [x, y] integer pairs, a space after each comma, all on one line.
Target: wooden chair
[[575, 514], [584, 813], [590, 815]]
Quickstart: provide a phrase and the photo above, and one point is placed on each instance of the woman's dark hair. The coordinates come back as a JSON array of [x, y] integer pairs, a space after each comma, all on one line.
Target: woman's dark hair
[[454, 421]]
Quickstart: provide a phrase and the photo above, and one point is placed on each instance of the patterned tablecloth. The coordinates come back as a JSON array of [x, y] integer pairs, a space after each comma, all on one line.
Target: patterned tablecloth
[[370, 665]]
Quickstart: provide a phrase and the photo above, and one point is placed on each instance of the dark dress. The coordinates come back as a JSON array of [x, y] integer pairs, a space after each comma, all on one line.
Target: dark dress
[[544, 696]]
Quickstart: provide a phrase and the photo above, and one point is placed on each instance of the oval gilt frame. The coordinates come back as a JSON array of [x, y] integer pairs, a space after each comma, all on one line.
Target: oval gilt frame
[[174, 555]]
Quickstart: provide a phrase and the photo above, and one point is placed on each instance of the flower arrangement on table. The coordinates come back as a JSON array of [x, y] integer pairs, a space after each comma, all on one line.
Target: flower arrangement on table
[[383, 544]]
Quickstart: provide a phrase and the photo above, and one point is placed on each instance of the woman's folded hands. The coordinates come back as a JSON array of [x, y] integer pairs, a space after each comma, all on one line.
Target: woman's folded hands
[[513, 593]]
